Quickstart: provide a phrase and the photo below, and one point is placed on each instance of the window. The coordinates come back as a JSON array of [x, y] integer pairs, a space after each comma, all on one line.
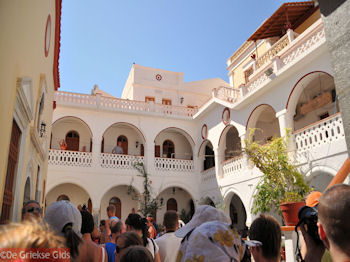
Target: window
[[166, 102], [248, 73], [150, 99]]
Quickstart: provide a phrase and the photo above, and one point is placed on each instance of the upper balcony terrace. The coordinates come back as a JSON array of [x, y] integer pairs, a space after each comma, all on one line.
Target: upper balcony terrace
[[122, 105]]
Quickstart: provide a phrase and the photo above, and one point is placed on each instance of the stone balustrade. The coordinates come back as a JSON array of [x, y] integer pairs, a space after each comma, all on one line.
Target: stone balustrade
[[283, 54], [173, 164], [226, 93], [70, 158], [118, 104], [322, 132], [209, 174], [108, 160], [233, 166]]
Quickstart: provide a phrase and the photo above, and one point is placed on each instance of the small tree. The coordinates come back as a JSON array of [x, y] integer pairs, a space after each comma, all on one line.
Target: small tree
[[281, 181], [148, 204]]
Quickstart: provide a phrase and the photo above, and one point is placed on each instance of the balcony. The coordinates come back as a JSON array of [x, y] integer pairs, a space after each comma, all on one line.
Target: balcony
[[282, 55], [108, 160], [173, 164], [208, 175], [70, 158], [121, 105], [317, 134], [233, 166], [228, 94]]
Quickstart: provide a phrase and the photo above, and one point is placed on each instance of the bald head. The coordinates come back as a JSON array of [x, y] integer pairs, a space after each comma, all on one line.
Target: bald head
[[334, 215]]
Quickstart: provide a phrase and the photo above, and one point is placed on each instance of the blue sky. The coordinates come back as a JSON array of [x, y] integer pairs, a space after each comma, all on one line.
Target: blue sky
[[101, 39]]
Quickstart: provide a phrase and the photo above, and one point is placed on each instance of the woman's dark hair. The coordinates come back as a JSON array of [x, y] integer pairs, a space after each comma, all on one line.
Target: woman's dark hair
[[87, 222], [72, 239], [130, 239], [137, 254], [138, 223]]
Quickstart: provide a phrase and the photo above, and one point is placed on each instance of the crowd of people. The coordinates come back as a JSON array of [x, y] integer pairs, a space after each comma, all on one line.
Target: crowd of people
[[208, 236]]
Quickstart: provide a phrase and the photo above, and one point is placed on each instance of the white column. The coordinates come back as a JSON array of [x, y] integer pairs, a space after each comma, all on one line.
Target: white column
[[285, 122], [96, 150], [290, 34], [218, 165], [149, 157]]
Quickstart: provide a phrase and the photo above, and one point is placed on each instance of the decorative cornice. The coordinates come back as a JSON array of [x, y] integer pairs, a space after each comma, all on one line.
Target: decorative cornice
[[56, 73]]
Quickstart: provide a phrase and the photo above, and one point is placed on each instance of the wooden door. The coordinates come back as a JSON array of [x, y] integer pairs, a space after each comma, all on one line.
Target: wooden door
[[11, 172], [171, 204], [142, 150], [72, 140], [157, 151], [166, 102], [168, 149], [124, 145], [118, 206]]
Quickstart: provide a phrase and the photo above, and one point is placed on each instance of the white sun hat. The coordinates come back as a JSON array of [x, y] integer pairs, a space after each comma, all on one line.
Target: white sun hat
[[204, 213]]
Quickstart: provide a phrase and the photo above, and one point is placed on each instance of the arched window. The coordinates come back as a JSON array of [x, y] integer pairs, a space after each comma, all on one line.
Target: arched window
[[168, 149], [171, 204], [72, 140], [118, 206], [26, 196], [209, 160], [124, 142], [63, 197]]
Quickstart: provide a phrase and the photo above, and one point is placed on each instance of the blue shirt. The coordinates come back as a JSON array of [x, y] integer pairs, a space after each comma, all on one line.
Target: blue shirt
[[110, 248]]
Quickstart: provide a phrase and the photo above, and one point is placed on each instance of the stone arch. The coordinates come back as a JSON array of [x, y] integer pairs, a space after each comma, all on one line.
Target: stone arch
[[135, 137], [62, 126], [184, 147], [128, 196], [312, 98], [229, 143], [27, 190], [77, 194], [235, 208], [206, 154], [182, 198], [263, 118]]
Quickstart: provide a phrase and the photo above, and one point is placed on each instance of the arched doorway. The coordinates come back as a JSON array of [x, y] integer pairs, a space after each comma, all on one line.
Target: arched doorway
[[171, 204], [236, 209], [63, 197], [124, 143], [263, 119], [168, 149], [72, 140], [233, 143], [312, 99], [209, 159], [319, 180], [115, 201], [26, 196]]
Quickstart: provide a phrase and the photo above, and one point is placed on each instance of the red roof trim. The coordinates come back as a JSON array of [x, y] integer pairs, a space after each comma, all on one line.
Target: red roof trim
[[56, 74]]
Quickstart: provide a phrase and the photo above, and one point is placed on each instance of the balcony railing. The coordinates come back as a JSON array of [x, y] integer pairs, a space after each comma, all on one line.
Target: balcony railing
[[117, 104], [70, 158], [233, 166], [108, 160], [226, 93], [208, 174], [283, 54], [173, 164], [273, 51], [322, 132]]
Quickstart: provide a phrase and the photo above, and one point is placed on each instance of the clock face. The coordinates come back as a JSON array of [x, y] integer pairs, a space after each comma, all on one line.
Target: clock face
[[47, 35], [158, 77], [204, 131]]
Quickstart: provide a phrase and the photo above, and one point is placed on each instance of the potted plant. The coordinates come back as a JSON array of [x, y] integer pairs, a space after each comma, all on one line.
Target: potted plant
[[281, 183]]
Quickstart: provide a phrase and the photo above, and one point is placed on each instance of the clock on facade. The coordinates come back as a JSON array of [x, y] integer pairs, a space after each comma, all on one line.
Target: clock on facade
[[158, 77]]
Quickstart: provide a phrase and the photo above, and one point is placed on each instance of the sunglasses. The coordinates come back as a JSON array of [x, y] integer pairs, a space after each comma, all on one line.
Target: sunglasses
[[33, 209]]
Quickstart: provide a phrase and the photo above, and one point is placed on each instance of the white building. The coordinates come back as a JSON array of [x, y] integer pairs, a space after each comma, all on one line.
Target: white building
[[189, 135]]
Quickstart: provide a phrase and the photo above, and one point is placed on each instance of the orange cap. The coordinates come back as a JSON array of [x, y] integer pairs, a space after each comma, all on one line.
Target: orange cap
[[312, 198]]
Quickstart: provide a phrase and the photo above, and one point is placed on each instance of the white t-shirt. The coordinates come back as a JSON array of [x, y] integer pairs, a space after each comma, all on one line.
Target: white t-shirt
[[169, 245], [151, 246]]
